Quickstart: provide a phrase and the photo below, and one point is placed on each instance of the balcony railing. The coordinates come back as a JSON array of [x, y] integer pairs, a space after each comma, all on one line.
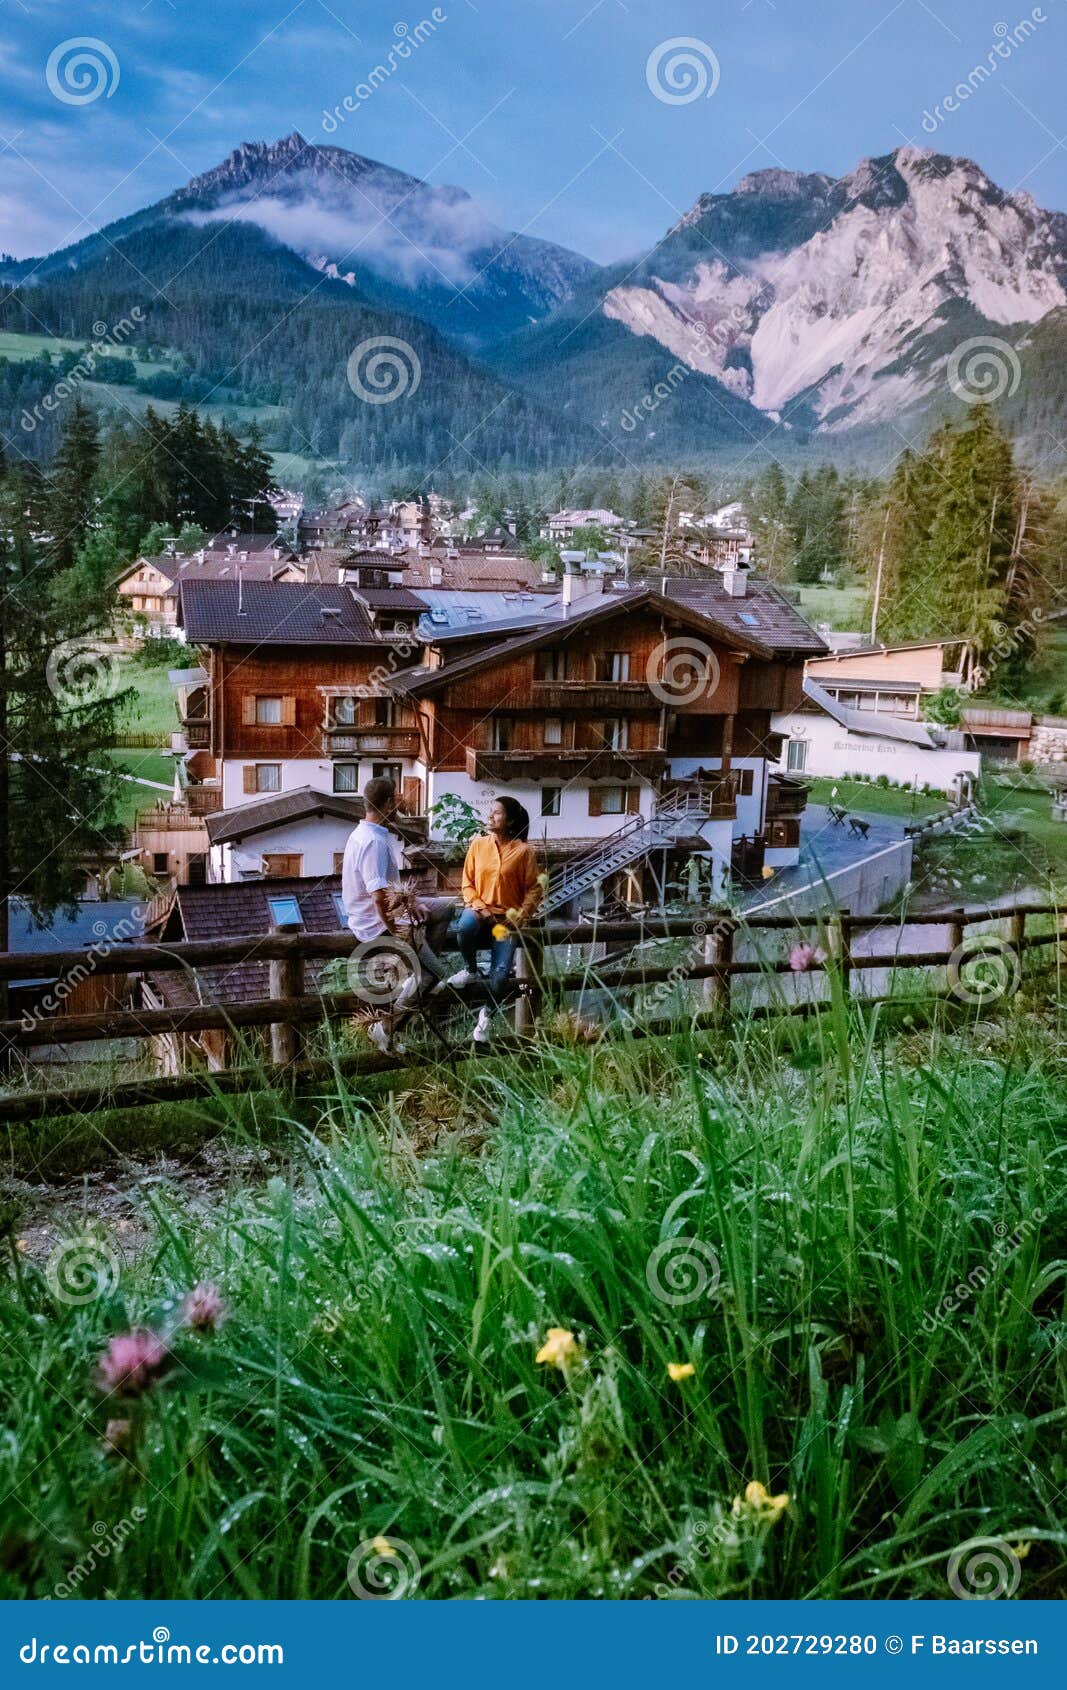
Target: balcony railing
[[785, 798], [617, 696], [552, 762], [370, 742]]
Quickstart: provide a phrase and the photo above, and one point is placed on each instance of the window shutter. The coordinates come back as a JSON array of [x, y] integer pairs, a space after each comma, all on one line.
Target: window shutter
[[594, 801], [249, 775], [338, 861], [248, 711], [633, 800], [288, 712]]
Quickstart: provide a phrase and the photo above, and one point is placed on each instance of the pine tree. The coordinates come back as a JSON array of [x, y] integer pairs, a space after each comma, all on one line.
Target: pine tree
[[59, 705], [72, 499]]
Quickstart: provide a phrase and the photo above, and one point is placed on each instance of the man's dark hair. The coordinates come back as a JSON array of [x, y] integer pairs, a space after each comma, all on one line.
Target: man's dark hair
[[379, 795]]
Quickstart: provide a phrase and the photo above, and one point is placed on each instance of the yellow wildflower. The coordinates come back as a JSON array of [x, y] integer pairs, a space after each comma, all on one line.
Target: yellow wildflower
[[768, 872], [680, 1370], [500, 931], [560, 1349], [1020, 1550], [758, 1502], [382, 1546]]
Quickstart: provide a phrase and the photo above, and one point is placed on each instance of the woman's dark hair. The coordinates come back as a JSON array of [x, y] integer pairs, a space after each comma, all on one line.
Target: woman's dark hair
[[518, 818]]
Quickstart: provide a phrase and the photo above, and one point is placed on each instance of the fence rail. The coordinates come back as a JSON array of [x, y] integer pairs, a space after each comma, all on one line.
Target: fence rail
[[290, 1007]]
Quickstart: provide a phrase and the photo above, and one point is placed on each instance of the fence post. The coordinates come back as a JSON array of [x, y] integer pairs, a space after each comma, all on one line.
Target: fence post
[[841, 947], [529, 971], [1017, 936], [286, 981], [719, 952]]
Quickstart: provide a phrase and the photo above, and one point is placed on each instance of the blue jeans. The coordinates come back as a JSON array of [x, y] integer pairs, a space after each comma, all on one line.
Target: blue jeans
[[474, 932]]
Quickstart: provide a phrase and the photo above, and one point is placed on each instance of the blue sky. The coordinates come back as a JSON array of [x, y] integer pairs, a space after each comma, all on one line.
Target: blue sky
[[542, 110]]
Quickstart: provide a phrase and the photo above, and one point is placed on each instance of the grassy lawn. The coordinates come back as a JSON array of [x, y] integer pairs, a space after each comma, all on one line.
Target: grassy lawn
[[877, 800], [841, 607], [19, 347], [152, 708], [542, 1325]]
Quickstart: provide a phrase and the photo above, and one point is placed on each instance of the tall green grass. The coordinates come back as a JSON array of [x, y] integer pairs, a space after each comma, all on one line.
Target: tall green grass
[[390, 1289]]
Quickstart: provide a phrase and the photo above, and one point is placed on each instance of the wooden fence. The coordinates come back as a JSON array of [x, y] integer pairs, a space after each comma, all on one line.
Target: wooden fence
[[290, 1007]]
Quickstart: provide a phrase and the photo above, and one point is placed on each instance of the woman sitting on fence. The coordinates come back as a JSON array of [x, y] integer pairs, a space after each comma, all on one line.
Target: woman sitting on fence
[[501, 891]]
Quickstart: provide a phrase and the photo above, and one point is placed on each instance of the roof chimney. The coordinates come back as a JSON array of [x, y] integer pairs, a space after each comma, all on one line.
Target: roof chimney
[[734, 580], [577, 587]]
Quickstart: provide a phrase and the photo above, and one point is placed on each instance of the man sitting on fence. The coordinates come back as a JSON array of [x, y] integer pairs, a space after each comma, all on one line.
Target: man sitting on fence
[[393, 976], [501, 891]]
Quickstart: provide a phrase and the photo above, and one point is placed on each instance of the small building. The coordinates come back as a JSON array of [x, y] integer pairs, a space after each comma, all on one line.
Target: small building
[[824, 736], [287, 835]]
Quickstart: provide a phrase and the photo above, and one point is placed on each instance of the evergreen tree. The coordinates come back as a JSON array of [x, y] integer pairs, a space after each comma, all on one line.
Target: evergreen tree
[[72, 491], [59, 705]]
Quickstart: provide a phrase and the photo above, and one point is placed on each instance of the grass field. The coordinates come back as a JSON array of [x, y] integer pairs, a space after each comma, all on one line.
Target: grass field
[[777, 1312], [864, 795], [841, 607], [151, 708], [19, 347]]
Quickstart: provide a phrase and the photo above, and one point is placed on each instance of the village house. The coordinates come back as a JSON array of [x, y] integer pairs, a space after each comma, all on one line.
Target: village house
[[293, 690], [571, 701], [148, 590], [562, 525]]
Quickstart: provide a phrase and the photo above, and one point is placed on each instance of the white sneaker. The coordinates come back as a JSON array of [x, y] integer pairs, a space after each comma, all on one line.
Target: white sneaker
[[463, 978], [481, 1027], [407, 992], [379, 1036]]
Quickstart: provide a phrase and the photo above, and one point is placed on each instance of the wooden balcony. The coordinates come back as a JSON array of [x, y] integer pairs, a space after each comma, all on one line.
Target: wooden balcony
[[785, 797], [715, 798], [196, 734], [618, 697], [370, 742], [564, 763], [203, 800]]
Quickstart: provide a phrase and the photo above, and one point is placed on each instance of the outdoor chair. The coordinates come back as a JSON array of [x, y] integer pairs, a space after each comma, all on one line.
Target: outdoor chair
[[858, 827]]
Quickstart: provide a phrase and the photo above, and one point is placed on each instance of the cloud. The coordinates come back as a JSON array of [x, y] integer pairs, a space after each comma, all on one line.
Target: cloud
[[435, 235]]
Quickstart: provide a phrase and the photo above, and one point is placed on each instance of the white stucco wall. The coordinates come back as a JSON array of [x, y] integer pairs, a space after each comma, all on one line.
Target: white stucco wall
[[315, 838], [749, 809], [834, 750], [316, 772], [573, 821]]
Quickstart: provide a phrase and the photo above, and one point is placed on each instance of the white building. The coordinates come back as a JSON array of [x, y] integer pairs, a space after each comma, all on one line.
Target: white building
[[828, 737]]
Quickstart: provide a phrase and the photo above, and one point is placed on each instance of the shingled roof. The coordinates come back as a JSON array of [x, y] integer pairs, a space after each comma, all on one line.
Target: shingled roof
[[260, 814], [764, 612], [601, 608], [231, 911], [273, 613]]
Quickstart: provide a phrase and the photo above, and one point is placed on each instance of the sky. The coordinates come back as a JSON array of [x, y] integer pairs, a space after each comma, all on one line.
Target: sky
[[594, 123]]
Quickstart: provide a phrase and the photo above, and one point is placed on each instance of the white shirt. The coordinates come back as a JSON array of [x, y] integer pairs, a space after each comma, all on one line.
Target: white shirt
[[371, 863]]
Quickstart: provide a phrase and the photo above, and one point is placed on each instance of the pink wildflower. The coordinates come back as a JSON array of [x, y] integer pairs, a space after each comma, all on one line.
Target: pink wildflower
[[203, 1309], [132, 1363], [804, 957]]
